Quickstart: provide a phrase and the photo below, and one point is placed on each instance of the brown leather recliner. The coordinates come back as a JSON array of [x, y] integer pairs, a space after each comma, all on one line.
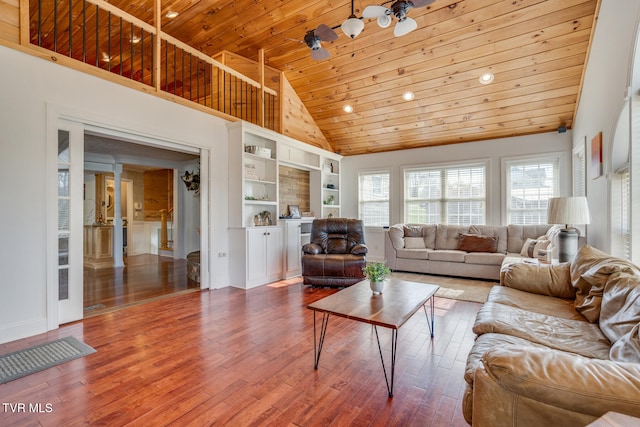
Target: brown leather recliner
[[336, 253]]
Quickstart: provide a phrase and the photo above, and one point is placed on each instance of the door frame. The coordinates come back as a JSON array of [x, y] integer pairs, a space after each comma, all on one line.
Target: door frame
[[87, 121]]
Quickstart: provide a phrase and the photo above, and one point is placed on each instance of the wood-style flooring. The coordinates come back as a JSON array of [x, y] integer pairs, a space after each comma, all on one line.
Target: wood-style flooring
[[231, 357], [143, 278]]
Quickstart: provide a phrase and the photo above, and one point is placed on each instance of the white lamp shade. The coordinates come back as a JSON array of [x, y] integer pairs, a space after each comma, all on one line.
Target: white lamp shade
[[352, 27], [568, 210]]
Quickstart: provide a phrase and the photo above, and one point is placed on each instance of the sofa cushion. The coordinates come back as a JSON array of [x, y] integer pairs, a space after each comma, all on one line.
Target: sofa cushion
[[412, 230], [414, 243], [570, 335], [590, 270], [545, 279], [477, 243], [447, 255], [499, 232], [484, 258], [447, 235], [620, 309], [413, 253], [537, 303]]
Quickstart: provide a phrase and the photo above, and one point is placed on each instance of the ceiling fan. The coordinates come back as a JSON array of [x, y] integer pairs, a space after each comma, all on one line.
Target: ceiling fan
[[313, 38], [399, 9]]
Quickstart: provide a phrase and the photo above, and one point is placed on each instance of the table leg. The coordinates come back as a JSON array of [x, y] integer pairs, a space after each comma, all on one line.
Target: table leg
[[394, 346], [431, 322], [323, 331]]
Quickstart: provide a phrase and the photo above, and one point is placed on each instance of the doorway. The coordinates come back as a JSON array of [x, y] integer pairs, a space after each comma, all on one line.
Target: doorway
[[140, 202]]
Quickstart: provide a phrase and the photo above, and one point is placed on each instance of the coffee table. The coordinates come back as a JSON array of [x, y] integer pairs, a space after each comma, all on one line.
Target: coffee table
[[399, 300]]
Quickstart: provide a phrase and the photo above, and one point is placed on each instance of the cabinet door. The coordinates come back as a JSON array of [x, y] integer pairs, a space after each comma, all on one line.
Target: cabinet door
[[294, 265], [256, 255], [274, 258]]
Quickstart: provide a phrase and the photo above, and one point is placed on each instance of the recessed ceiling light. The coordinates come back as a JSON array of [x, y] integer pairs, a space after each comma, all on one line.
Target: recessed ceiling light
[[348, 108], [408, 95], [486, 78], [171, 14]]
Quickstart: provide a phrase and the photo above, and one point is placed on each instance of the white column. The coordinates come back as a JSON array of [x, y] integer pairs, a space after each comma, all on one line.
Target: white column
[[118, 260]]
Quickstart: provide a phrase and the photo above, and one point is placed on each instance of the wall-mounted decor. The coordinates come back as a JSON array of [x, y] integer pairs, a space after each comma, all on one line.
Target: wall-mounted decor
[[596, 156]]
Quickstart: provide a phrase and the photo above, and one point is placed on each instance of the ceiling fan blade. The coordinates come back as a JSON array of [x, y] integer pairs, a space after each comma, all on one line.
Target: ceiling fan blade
[[421, 3], [325, 33], [405, 27], [374, 11], [320, 54]]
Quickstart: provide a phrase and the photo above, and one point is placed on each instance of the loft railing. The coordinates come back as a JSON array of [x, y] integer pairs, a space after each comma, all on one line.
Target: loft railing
[[99, 34]]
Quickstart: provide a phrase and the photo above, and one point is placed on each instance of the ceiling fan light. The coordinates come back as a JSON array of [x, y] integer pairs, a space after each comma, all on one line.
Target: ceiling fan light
[[384, 21], [352, 27], [404, 27]]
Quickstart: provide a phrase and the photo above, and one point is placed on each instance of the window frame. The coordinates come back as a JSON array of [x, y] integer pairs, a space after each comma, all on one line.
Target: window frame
[[388, 200], [442, 167], [533, 158]]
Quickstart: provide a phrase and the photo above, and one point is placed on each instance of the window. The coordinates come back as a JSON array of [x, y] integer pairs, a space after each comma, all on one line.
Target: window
[[530, 183], [373, 195], [446, 195]]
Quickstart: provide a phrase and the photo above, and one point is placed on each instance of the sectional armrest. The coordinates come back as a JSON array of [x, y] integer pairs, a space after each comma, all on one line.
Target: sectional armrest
[[562, 380], [543, 279]]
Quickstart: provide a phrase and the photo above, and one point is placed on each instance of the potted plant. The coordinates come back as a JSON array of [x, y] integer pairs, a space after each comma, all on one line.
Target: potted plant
[[376, 272]]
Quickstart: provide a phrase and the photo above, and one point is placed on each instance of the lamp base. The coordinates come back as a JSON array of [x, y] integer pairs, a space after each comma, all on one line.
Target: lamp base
[[567, 244]]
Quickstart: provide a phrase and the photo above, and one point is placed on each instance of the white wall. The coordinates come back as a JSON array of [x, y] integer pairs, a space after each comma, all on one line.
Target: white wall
[[493, 151], [28, 86], [607, 77]]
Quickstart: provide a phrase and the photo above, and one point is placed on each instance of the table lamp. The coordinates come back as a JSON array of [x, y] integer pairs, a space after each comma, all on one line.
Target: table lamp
[[568, 210]]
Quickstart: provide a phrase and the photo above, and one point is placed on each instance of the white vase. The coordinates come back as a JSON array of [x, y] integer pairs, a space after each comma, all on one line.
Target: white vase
[[376, 287]]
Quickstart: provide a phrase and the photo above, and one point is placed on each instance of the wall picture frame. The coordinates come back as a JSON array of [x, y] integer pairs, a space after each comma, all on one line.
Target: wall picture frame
[[596, 156], [294, 211]]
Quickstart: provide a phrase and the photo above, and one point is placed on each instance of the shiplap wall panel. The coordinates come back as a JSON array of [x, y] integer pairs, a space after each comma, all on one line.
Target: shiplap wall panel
[[10, 20]]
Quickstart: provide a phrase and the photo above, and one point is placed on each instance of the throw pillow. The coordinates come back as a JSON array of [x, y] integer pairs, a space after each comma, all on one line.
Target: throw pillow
[[477, 243], [414, 243], [532, 246], [627, 348]]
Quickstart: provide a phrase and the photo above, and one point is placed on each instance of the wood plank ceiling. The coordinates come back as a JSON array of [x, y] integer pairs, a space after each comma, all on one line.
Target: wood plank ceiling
[[536, 50]]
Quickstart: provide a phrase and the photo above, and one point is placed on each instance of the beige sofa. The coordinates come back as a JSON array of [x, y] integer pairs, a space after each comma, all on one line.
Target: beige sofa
[[458, 250], [557, 345]]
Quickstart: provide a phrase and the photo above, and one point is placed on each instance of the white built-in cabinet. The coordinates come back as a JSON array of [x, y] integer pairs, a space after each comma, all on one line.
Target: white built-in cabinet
[[297, 233], [259, 243]]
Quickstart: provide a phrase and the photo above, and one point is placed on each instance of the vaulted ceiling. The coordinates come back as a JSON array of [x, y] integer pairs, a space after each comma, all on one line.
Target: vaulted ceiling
[[536, 50]]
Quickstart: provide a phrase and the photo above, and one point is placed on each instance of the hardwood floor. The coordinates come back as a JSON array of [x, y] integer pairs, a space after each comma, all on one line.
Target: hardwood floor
[[144, 277], [240, 358]]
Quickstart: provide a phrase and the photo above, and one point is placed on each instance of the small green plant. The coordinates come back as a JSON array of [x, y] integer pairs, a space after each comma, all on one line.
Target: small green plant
[[329, 200], [376, 271]]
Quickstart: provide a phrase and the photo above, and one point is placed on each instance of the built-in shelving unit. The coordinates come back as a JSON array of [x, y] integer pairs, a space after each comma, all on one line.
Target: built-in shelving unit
[[255, 155]]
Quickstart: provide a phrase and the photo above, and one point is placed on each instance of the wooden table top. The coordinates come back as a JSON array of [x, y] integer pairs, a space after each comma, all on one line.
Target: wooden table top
[[399, 300]]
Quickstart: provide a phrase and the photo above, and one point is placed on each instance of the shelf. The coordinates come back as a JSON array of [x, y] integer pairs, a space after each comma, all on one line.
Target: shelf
[[259, 181], [256, 157], [261, 202], [333, 190]]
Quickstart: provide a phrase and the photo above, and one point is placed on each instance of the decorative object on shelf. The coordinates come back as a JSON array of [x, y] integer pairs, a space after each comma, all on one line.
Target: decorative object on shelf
[[192, 180], [568, 210], [294, 211], [329, 200], [331, 167], [376, 272], [326, 168], [250, 198], [258, 151], [262, 219], [250, 172], [330, 215], [331, 186]]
